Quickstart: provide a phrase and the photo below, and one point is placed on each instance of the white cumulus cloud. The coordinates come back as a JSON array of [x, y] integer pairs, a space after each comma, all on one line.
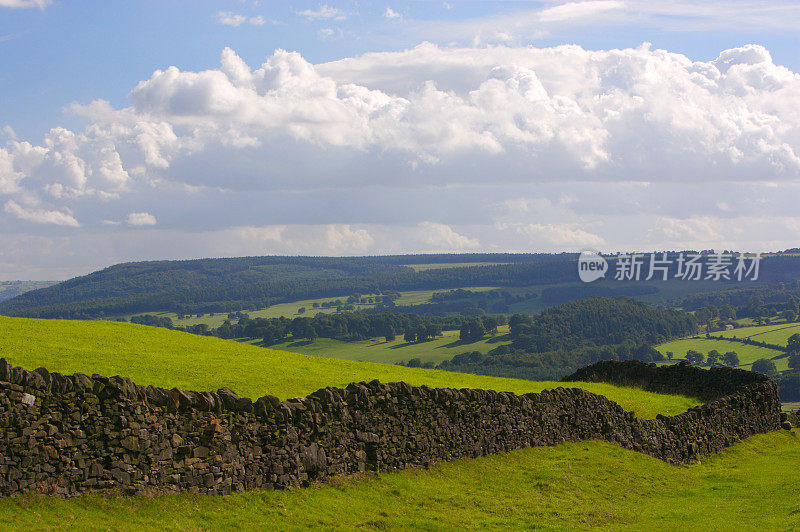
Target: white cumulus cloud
[[442, 236], [391, 13], [324, 12], [141, 218], [40, 216], [230, 18], [562, 236], [521, 138]]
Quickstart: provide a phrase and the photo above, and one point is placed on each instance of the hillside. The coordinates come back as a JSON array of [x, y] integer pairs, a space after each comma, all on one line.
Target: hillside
[[751, 486], [575, 485], [161, 357], [599, 321], [217, 285], [747, 353], [255, 283], [771, 334], [774, 335], [437, 350]]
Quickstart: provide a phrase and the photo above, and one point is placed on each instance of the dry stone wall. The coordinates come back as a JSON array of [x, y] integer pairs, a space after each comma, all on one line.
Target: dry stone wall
[[67, 435]]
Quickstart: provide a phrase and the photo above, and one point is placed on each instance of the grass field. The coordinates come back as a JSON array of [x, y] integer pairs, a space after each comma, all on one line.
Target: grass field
[[420, 297], [772, 334], [151, 355], [668, 292], [588, 485], [747, 353], [290, 310], [442, 348], [571, 486]]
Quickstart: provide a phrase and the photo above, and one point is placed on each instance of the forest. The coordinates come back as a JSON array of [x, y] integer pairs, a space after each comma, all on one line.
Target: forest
[[249, 283]]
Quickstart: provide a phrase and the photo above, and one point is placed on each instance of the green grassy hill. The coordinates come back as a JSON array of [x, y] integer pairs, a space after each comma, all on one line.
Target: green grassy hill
[[572, 486], [166, 358]]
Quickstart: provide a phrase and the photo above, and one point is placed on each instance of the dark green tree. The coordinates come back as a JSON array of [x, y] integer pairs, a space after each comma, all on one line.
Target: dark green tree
[[765, 366], [793, 344], [730, 359], [694, 357]]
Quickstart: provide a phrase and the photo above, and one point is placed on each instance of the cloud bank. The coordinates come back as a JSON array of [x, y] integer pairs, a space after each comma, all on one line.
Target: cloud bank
[[429, 149]]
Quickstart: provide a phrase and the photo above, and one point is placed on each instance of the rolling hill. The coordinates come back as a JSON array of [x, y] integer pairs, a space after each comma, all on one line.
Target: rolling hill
[[166, 358], [572, 486], [221, 285], [255, 283], [441, 348]]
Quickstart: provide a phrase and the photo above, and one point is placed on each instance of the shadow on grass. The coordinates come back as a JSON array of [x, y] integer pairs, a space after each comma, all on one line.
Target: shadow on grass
[[406, 344], [378, 343], [301, 343], [491, 340], [458, 343]]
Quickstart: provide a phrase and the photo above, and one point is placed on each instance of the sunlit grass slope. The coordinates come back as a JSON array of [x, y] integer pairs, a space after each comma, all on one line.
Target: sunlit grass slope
[[747, 353], [772, 334], [441, 348], [166, 358], [750, 486]]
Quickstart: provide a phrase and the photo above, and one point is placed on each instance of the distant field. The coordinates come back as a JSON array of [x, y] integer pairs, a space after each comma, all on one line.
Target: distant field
[[574, 486], [443, 265], [290, 310], [747, 353], [772, 334], [151, 355], [379, 350], [419, 297], [667, 292]]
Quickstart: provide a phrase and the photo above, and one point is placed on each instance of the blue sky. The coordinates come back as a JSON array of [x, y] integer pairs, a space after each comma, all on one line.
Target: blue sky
[[367, 141]]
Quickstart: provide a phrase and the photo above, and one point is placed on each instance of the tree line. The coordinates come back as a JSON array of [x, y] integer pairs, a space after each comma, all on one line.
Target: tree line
[[562, 339]]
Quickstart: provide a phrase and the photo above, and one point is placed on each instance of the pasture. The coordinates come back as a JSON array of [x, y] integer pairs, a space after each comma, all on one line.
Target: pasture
[[747, 353], [292, 309], [444, 347], [751, 485], [166, 358], [772, 334]]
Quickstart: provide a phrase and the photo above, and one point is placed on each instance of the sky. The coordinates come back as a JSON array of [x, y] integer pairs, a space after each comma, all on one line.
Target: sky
[[168, 130]]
